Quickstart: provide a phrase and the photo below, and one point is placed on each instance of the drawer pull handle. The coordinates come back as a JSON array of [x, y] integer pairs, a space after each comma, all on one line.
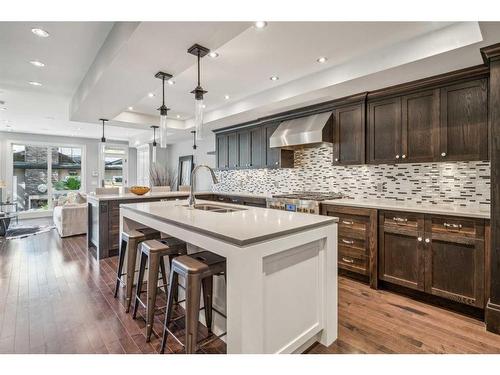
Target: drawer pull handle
[[419, 239], [347, 222], [452, 226], [427, 240], [400, 219], [347, 260], [349, 242]]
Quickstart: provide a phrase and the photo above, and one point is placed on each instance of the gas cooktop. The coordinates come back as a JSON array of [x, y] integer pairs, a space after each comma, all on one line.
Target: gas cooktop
[[312, 195]]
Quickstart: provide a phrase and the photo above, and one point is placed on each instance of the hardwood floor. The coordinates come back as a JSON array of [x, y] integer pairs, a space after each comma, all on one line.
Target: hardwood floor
[[56, 298]]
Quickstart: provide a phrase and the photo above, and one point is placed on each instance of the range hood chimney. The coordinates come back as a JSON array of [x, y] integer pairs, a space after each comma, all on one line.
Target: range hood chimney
[[304, 131]]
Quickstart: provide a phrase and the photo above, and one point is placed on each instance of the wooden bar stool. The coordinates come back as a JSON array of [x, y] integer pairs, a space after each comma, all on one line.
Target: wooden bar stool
[[153, 253], [197, 270], [128, 247]]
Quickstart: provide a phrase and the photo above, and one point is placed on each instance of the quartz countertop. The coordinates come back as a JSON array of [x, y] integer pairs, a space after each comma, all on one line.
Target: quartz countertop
[[174, 194], [389, 204], [242, 227]]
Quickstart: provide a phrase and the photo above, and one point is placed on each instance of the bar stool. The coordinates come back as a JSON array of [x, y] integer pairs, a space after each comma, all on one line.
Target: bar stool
[[128, 247], [197, 270], [153, 253]]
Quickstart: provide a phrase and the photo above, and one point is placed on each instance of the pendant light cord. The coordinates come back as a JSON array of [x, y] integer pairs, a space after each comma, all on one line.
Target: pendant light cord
[[163, 89], [199, 68]]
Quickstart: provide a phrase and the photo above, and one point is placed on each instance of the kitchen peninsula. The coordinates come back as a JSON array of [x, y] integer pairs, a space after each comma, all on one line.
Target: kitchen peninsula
[[281, 292]]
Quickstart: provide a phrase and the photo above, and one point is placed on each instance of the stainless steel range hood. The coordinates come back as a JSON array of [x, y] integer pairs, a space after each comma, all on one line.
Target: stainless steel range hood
[[304, 131]]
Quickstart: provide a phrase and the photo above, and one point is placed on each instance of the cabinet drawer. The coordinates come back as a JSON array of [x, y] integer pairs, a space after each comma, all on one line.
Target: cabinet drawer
[[349, 223], [457, 227], [352, 242], [353, 260], [401, 219]]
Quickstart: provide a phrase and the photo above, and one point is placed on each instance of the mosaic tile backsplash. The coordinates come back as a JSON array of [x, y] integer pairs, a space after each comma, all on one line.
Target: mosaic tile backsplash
[[465, 184]]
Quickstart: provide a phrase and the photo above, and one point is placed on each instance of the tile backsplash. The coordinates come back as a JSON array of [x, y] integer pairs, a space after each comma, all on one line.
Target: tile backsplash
[[465, 184]]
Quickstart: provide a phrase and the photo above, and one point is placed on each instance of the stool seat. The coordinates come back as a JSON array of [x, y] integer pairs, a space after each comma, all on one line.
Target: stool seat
[[164, 246], [205, 263]]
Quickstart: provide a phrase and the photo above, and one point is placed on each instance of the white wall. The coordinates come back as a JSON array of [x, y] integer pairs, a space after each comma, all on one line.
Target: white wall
[[203, 180], [92, 151]]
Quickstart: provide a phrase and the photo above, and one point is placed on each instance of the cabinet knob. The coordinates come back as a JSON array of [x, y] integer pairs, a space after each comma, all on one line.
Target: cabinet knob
[[427, 240], [419, 239], [443, 154], [276, 163], [403, 156], [397, 156], [336, 159]]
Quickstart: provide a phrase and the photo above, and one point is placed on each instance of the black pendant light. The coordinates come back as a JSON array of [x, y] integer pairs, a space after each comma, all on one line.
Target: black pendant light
[[163, 109], [154, 127], [193, 132], [103, 139], [199, 52]]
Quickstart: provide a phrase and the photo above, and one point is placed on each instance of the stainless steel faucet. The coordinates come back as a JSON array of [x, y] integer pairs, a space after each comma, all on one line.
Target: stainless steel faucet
[[192, 199]]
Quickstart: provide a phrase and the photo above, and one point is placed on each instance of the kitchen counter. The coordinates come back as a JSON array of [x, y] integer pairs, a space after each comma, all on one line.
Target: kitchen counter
[[280, 290], [389, 204], [169, 194]]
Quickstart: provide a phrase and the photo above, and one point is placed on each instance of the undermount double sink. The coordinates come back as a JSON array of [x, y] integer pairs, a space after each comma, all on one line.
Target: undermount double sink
[[216, 208]]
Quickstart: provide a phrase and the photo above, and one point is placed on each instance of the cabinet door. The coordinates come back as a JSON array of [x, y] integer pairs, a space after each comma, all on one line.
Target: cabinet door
[[401, 250], [349, 135], [244, 148], [420, 126], [464, 126], [454, 259], [256, 147], [384, 127], [233, 157], [222, 151], [271, 155]]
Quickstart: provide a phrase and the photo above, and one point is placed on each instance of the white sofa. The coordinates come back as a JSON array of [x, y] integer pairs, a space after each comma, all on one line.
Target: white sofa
[[70, 219]]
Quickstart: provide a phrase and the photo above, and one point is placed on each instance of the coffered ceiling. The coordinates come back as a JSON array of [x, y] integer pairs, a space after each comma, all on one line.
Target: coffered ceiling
[[101, 69]]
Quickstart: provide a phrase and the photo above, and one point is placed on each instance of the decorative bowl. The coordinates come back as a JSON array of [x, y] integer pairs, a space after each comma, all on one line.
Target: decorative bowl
[[139, 190]]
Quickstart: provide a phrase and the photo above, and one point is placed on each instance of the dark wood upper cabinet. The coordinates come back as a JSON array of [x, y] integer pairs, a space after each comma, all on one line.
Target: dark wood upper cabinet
[[349, 135], [244, 148], [384, 131], [464, 121], [233, 153], [222, 151], [256, 147], [420, 126]]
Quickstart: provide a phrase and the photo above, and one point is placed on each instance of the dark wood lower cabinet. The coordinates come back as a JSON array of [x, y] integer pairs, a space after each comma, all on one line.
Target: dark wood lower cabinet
[[440, 255], [357, 240]]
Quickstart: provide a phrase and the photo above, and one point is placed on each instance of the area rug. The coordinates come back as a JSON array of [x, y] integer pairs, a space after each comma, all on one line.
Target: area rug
[[22, 231]]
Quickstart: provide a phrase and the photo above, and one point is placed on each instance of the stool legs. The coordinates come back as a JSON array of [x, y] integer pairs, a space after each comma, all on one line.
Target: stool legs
[[131, 259], [207, 285], [193, 292], [140, 280], [121, 258], [173, 285], [152, 289]]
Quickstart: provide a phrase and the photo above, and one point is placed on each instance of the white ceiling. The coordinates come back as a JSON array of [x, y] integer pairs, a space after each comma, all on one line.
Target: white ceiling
[[100, 69]]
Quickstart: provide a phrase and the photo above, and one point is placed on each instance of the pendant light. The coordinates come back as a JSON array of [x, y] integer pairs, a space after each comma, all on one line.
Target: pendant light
[[154, 127], [103, 139], [163, 109], [199, 52]]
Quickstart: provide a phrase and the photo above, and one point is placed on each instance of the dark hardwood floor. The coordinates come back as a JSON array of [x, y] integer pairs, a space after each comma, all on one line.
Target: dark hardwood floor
[[56, 298]]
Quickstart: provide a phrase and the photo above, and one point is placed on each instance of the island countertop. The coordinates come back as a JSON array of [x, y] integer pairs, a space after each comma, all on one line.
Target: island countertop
[[242, 227]]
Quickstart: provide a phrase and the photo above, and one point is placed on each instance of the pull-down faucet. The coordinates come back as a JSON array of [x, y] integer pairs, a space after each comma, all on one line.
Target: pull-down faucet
[[192, 199]]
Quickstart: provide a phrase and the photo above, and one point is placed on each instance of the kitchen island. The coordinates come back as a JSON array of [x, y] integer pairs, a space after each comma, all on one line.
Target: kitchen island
[[281, 291]]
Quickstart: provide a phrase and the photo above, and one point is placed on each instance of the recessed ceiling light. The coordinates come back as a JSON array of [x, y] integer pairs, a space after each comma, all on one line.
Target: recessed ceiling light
[[274, 78], [3, 108], [34, 83], [226, 97], [321, 59], [40, 32], [260, 24], [130, 108], [213, 54], [151, 95], [37, 63], [171, 82]]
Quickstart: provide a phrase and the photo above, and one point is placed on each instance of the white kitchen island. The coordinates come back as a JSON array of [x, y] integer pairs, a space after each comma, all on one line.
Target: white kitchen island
[[281, 292]]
